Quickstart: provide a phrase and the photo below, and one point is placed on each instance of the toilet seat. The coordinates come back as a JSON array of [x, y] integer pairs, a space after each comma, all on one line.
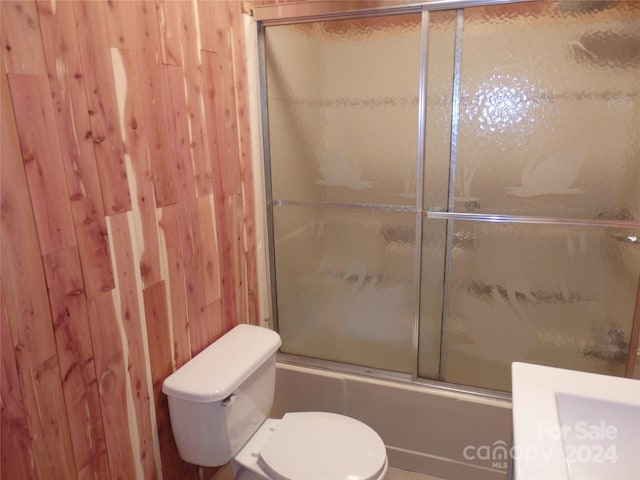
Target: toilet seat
[[323, 446]]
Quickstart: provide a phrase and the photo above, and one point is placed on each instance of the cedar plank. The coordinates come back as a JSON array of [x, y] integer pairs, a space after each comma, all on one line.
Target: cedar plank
[[101, 100], [187, 220], [239, 265], [194, 101], [253, 298], [75, 356], [16, 441], [169, 21], [109, 357], [176, 279], [158, 337], [73, 125], [154, 104], [47, 419], [24, 290], [223, 220], [133, 328], [209, 242], [20, 38], [226, 127], [240, 61], [36, 125], [158, 328], [121, 24], [144, 206]]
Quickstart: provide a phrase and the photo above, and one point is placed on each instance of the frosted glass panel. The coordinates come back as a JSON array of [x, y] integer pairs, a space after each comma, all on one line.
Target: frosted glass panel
[[345, 285], [441, 48], [555, 295], [434, 241], [550, 110], [342, 100]]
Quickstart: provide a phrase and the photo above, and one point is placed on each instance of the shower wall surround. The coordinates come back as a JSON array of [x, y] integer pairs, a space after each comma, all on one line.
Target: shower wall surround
[[450, 191]]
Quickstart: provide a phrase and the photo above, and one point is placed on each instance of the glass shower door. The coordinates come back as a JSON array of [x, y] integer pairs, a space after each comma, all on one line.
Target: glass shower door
[[342, 100], [543, 214], [451, 191]]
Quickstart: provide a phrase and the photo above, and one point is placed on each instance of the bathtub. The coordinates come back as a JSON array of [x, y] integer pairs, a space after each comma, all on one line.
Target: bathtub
[[429, 430]]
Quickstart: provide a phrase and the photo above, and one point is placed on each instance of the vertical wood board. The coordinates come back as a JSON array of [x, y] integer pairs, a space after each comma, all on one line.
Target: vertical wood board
[[42, 161], [24, 290], [132, 328], [76, 146], [75, 356], [126, 66], [16, 452], [93, 40], [20, 37], [109, 358], [176, 281]]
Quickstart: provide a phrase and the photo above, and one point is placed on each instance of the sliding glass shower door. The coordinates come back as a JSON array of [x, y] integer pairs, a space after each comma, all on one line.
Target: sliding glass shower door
[[343, 103], [451, 191]]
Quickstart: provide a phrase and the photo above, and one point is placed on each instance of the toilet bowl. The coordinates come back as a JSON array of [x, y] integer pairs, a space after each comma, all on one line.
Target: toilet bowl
[[219, 402], [313, 446]]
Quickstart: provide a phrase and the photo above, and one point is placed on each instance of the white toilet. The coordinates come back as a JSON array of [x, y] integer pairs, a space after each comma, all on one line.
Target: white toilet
[[219, 402]]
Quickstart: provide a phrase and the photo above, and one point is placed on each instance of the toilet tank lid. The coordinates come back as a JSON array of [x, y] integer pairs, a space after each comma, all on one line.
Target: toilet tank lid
[[219, 369]]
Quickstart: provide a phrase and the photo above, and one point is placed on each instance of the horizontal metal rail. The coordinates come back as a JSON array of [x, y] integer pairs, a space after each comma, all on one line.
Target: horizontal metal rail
[[299, 12], [462, 216]]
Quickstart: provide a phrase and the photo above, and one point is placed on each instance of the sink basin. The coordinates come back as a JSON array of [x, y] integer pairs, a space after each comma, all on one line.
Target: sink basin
[[601, 438], [574, 425]]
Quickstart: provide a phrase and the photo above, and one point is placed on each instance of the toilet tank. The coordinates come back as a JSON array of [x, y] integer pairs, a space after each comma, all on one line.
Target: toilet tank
[[219, 398]]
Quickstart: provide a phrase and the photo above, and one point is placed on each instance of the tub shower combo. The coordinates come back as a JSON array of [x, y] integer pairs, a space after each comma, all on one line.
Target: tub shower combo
[[453, 187]]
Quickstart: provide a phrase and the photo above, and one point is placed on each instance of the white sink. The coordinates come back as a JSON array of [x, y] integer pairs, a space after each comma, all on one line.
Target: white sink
[[574, 425]]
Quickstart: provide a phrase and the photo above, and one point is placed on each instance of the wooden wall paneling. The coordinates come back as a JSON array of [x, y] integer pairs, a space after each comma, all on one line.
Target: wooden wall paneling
[[159, 339], [158, 334], [24, 301], [111, 362], [170, 41], [226, 183], [20, 37], [93, 42], [42, 161], [205, 331], [75, 356], [214, 313], [226, 127], [191, 64], [153, 100], [240, 60], [48, 420], [24, 290], [207, 20], [236, 214], [188, 218], [126, 67], [174, 187], [222, 14], [253, 298], [121, 24], [132, 326], [175, 279], [209, 242], [16, 451], [240, 81], [78, 158]]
